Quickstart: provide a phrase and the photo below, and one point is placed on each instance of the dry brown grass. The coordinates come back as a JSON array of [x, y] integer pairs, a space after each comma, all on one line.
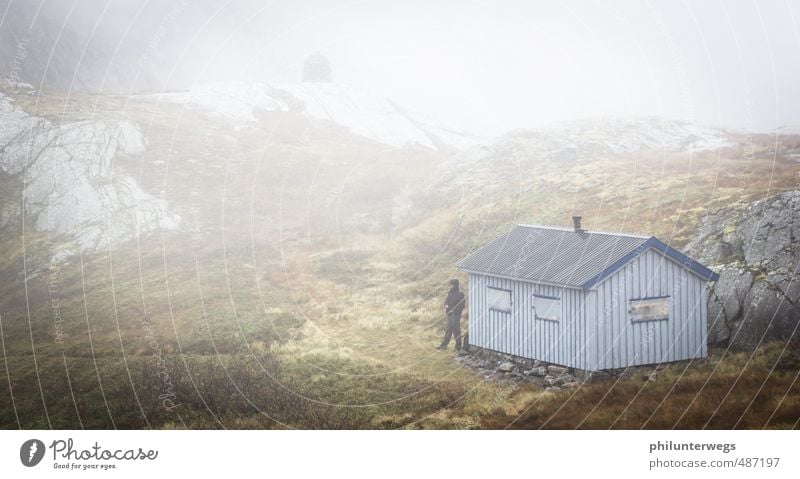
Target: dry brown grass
[[726, 391]]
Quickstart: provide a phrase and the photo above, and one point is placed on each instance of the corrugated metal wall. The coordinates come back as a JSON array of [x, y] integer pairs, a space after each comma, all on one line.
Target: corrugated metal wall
[[615, 341], [519, 333], [598, 334]]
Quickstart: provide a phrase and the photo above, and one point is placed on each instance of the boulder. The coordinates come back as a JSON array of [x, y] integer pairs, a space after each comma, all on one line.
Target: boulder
[[754, 248], [559, 381], [506, 367], [539, 371]]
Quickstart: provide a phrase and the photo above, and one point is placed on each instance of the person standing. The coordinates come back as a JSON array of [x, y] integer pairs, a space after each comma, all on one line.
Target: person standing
[[453, 306]]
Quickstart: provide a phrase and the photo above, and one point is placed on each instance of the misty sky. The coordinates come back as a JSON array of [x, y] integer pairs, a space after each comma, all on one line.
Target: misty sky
[[483, 66], [492, 66]]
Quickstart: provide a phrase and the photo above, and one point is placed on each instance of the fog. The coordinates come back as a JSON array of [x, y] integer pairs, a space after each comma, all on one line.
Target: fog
[[485, 67]]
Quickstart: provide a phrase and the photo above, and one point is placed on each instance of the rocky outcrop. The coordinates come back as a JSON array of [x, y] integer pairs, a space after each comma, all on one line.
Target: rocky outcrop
[[755, 249], [70, 188], [362, 113]]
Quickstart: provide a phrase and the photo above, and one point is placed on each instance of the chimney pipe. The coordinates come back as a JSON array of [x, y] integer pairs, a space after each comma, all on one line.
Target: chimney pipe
[[577, 221]]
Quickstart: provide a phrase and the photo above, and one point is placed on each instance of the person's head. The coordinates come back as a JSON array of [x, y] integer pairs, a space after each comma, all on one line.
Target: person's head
[[454, 283]]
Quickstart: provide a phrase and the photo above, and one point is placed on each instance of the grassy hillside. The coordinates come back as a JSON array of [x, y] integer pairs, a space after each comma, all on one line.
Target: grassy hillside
[[304, 287]]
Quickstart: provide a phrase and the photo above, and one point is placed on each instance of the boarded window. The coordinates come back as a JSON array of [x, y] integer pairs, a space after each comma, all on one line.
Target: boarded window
[[547, 307], [649, 309], [498, 299]]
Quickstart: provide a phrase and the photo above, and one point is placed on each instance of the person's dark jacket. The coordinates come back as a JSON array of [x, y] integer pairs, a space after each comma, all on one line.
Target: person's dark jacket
[[454, 303]]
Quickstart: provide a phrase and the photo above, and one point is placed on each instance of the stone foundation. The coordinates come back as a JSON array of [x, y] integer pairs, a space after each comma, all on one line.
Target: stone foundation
[[504, 368]]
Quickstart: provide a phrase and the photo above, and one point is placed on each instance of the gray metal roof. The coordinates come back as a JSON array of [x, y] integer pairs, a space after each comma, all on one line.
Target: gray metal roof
[[552, 255]]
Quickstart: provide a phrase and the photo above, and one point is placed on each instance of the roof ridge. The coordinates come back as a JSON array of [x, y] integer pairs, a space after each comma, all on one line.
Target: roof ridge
[[562, 228]]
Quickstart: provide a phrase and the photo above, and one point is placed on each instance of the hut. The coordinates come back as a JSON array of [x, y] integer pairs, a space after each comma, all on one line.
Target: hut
[[588, 300]]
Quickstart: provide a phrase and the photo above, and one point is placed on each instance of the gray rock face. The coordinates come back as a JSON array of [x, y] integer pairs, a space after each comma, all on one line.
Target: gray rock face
[[70, 187], [756, 248]]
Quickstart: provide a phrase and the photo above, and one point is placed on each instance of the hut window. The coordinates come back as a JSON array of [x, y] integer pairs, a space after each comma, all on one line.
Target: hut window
[[498, 299], [547, 307], [649, 309]]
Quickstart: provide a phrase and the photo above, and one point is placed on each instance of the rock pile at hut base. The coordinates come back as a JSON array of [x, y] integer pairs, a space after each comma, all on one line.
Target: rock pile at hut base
[[507, 369]]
